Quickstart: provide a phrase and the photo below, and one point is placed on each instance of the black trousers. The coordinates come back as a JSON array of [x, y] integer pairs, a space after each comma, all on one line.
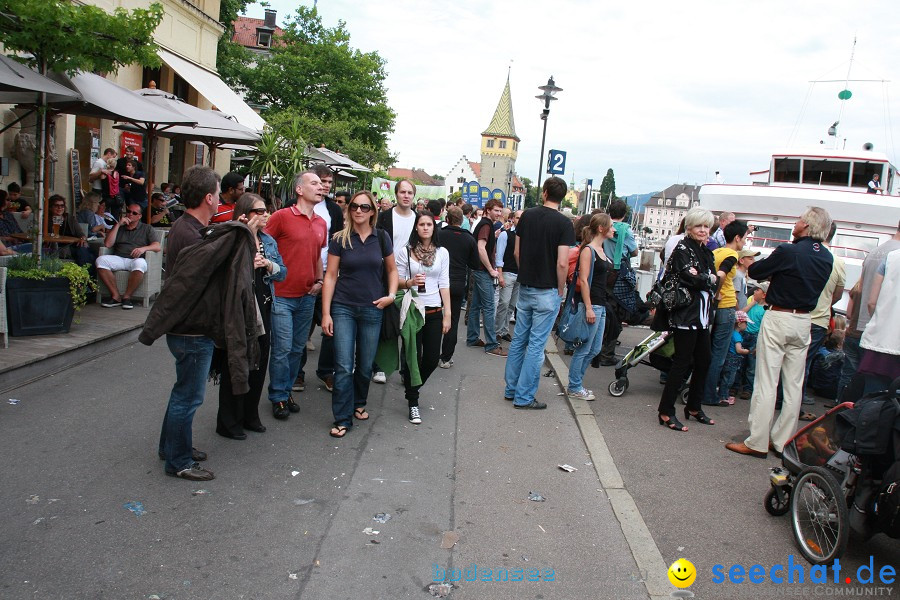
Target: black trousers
[[236, 411], [449, 345], [692, 351], [428, 350]]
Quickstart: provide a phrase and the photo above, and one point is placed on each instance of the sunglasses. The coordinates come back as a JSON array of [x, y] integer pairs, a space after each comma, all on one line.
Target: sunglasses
[[363, 207], [259, 211], [59, 206], [131, 212]]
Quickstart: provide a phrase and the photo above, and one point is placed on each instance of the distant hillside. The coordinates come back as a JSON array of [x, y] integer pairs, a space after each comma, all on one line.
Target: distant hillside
[[641, 200]]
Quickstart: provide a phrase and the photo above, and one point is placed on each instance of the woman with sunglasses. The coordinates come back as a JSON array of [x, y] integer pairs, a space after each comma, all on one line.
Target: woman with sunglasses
[[353, 298], [65, 224], [424, 265], [238, 412]]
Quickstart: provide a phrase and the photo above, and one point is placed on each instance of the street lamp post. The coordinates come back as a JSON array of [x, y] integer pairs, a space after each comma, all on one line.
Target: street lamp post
[[547, 96]]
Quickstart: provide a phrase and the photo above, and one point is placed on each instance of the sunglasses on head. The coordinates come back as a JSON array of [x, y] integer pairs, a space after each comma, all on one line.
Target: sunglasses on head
[[363, 207], [259, 211]]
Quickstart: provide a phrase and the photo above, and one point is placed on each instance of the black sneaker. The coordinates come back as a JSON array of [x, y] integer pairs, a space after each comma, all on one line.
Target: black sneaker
[[292, 406], [127, 304], [414, 416], [110, 303], [194, 473], [280, 410], [535, 405], [196, 455]]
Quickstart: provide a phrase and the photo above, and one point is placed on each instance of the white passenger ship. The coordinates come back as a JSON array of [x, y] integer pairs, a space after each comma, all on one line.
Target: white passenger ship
[[836, 180]]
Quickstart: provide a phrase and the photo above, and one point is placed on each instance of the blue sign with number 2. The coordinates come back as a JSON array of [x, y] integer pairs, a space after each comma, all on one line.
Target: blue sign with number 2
[[556, 162]]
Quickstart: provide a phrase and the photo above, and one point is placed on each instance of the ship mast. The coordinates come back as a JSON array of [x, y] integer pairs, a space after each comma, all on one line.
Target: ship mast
[[844, 95]]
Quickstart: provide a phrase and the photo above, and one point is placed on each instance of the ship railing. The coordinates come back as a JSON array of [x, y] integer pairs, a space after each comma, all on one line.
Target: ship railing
[[842, 251]]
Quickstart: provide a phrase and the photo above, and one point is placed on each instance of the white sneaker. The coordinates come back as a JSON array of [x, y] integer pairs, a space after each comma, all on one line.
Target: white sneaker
[[379, 377], [446, 364], [414, 417], [582, 394], [310, 347]]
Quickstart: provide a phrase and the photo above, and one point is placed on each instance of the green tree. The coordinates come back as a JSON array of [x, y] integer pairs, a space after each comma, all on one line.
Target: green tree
[[532, 197], [608, 188], [336, 91]]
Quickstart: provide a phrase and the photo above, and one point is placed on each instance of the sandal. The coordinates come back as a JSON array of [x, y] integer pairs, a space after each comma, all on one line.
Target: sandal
[[699, 415], [360, 413], [672, 423], [806, 416], [338, 431]]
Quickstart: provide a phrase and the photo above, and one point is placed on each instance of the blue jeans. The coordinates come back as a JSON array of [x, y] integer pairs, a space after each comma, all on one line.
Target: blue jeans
[[535, 313], [729, 371], [852, 355], [721, 338], [482, 302], [291, 319], [816, 339], [750, 361], [588, 350], [356, 333], [193, 355]]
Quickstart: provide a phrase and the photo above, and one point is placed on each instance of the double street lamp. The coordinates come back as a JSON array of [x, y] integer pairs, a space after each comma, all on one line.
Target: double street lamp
[[547, 96]]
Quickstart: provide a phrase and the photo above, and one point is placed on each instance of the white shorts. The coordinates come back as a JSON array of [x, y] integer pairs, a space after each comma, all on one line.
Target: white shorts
[[111, 262]]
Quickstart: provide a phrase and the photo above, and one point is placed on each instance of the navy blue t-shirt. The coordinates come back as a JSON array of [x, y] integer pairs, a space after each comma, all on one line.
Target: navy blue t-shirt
[[361, 273]]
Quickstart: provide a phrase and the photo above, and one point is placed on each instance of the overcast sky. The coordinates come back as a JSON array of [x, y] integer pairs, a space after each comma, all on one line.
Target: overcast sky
[[661, 92]]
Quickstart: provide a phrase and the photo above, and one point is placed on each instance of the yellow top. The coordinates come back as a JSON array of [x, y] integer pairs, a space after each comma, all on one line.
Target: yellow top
[[729, 298]]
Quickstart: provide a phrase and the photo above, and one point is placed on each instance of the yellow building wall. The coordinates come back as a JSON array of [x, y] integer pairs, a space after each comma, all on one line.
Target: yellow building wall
[[511, 149]]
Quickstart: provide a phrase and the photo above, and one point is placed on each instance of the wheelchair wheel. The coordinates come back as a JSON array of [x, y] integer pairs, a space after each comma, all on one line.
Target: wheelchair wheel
[[683, 395], [618, 387], [776, 506], [819, 516]]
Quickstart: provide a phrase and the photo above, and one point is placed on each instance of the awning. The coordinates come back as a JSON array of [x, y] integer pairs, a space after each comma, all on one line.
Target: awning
[[21, 85], [334, 159], [214, 89]]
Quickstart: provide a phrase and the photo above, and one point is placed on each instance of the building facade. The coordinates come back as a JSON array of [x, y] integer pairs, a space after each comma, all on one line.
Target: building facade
[[500, 147], [663, 213]]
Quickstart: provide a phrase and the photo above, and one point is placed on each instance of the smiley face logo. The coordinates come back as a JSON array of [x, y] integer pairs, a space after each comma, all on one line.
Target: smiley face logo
[[682, 573]]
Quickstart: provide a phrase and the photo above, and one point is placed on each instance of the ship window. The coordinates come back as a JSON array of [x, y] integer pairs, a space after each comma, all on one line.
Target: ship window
[[787, 170], [852, 246], [826, 172], [863, 171], [769, 237]]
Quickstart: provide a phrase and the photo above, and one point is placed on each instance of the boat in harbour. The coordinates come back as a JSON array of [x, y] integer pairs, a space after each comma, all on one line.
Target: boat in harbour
[[833, 179]]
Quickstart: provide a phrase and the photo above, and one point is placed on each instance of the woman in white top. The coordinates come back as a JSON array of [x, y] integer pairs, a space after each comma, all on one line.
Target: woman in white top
[[424, 265]]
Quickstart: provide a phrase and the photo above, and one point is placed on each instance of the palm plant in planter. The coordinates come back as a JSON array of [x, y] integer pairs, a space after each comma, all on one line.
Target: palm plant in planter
[[42, 296]]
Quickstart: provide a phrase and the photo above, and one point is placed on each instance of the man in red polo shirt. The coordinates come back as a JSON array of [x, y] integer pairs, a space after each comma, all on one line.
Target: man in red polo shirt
[[301, 234]]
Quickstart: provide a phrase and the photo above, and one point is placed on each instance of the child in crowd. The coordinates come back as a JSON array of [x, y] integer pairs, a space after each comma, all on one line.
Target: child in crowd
[[756, 311], [825, 371], [734, 359]]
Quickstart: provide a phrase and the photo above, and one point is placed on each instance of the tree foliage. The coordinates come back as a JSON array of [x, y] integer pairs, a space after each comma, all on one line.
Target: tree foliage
[[608, 188], [532, 197], [337, 92], [68, 37]]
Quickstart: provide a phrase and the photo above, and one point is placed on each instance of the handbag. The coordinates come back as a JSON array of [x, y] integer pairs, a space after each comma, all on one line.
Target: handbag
[[669, 293], [573, 327], [390, 316]]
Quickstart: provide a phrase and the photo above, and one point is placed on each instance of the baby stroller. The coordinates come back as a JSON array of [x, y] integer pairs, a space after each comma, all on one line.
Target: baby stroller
[[841, 472], [655, 351]]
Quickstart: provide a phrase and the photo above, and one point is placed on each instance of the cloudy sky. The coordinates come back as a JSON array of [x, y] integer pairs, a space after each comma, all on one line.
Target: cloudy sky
[[661, 92]]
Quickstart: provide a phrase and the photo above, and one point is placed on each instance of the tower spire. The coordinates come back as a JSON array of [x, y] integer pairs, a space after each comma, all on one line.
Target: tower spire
[[502, 124]]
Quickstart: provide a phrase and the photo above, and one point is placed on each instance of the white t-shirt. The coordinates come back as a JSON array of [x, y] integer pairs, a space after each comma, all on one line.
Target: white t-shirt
[[322, 210], [437, 276], [403, 227], [98, 166]]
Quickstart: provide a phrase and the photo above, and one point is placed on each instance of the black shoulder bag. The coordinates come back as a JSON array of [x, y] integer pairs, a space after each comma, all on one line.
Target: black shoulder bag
[[390, 317]]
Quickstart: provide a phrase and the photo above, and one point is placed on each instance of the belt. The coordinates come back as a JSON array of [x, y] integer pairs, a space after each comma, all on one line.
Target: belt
[[432, 310], [796, 311]]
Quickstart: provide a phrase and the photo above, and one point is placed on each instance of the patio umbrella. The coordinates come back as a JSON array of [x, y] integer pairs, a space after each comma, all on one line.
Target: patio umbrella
[[21, 85], [334, 159]]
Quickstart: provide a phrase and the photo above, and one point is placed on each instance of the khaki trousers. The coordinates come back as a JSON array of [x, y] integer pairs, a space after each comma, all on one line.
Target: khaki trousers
[[780, 349]]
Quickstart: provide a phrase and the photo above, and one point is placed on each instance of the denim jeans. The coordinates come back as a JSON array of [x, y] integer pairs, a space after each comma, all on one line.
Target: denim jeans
[[482, 303], [816, 339], [719, 342], [507, 302], [852, 355], [750, 361], [193, 355], [729, 371], [356, 333], [588, 350], [535, 313], [291, 318]]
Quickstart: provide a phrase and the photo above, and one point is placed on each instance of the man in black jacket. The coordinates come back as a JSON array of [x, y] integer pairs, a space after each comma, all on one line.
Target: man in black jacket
[[463, 256]]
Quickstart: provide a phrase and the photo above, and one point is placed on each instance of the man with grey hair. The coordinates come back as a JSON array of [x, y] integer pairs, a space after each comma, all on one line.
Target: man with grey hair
[[717, 239], [797, 274], [301, 234]]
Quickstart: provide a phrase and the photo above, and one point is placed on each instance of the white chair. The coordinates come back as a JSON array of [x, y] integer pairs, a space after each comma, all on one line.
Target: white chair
[[4, 326], [150, 285]]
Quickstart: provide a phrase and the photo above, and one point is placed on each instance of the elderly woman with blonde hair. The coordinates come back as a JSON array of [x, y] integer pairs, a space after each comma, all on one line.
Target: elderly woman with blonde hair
[[692, 266]]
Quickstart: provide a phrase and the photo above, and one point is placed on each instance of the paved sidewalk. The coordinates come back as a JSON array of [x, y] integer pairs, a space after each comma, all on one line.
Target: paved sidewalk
[[286, 515]]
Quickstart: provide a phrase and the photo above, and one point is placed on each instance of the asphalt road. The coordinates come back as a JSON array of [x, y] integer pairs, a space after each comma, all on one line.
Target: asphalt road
[[286, 514]]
